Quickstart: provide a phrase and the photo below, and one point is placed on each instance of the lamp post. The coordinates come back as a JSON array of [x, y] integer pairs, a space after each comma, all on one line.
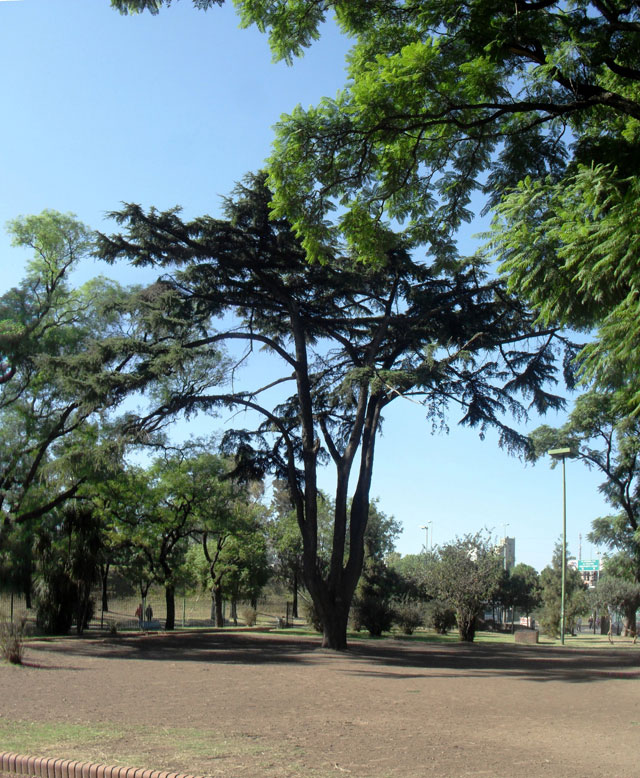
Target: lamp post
[[563, 453], [430, 523], [426, 538], [504, 544]]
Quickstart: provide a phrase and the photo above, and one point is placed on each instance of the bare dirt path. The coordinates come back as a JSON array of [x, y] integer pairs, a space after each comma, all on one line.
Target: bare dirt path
[[238, 705]]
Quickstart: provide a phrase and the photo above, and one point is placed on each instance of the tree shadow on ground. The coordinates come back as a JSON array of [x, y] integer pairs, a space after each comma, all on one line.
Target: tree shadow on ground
[[381, 658]]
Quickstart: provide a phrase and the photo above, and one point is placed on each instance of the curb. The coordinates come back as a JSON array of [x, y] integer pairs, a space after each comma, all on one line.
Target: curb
[[49, 767]]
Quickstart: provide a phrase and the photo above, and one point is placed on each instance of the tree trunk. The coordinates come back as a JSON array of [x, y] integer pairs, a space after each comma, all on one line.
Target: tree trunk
[[334, 624], [629, 622], [104, 579], [234, 612], [466, 626], [170, 599], [217, 603], [294, 596]]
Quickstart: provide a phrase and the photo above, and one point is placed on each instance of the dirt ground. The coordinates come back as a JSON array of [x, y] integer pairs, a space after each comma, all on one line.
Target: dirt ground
[[243, 704]]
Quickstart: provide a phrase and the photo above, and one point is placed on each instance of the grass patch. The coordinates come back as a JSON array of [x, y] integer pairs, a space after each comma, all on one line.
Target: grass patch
[[584, 640], [179, 749]]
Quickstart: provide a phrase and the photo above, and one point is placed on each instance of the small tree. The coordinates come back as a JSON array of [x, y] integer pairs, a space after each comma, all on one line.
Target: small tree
[[613, 594], [466, 575], [576, 602], [521, 589]]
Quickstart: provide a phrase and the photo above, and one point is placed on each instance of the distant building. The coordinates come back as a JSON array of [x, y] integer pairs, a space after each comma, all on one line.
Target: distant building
[[507, 548]]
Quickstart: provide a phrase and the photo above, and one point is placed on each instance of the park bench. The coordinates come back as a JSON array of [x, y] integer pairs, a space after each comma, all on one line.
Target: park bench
[[13, 765]]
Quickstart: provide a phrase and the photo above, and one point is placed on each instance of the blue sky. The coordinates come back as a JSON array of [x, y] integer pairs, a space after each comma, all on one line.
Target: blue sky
[[174, 109]]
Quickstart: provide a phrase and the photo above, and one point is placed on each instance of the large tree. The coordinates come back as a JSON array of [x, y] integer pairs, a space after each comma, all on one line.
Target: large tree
[[350, 339], [446, 98]]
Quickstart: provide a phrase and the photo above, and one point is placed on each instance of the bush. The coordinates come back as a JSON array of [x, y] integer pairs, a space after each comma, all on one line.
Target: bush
[[373, 613], [12, 641], [440, 616], [311, 616], [56, 598], [249, 616], [408, 615]]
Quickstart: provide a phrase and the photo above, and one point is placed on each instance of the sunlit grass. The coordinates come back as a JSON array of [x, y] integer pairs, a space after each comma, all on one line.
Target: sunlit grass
[[581, 640], [163, 748]]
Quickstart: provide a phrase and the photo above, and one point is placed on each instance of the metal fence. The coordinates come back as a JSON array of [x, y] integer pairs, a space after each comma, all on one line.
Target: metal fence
[[191, 610]]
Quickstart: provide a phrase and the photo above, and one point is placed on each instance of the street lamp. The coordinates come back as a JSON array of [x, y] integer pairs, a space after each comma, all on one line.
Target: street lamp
[[426, 539], [563, 453], [430, 523], [504, 543]]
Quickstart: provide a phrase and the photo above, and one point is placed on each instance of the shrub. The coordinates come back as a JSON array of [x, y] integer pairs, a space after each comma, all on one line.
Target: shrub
[[56, 598], [249, 616], [373, 613], [440, 616], [12, 641], [408, 615], [311, 616]]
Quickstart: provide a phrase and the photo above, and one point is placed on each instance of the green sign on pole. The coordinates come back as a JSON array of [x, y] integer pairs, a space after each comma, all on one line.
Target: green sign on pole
[[589, 565]]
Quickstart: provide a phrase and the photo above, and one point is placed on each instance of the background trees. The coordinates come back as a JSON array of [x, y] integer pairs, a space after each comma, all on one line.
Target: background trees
[[615, 594], [604, 437], [576, 602]]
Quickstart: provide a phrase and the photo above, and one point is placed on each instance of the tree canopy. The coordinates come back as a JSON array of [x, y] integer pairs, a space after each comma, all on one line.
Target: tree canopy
[[533, 106], [62, 367]]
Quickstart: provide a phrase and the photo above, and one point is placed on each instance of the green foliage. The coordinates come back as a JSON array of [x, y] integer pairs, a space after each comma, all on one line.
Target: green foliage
[[411, 570], [349, 340], [576, 602], [436, 95], [66, 365], [181, 499], [466, 575], [571, 249], [153, 6], [440, 616], [373, 613], [68, 548], [605, 438], [523, 590], [536, 105], [56, 599], [408, 614], [614, 594]]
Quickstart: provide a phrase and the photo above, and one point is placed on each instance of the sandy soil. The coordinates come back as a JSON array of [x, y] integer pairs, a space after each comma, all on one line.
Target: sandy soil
[[243, 704]]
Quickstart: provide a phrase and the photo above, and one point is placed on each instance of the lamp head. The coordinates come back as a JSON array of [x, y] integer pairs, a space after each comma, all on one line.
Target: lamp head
[[560, 453]]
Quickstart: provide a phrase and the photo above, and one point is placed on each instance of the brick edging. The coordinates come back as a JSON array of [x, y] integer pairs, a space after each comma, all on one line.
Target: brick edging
[[49, 767]]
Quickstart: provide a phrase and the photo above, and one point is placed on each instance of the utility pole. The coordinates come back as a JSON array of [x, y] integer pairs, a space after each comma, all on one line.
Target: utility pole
[[563, 453]]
